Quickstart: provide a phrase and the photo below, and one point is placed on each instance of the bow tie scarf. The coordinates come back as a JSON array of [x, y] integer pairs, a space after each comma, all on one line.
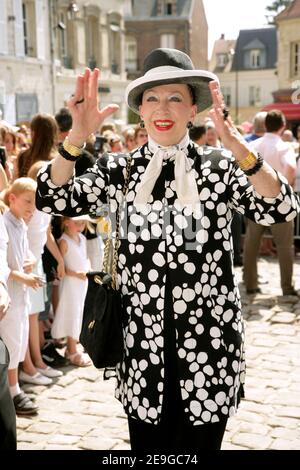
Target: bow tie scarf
[[185, 182]]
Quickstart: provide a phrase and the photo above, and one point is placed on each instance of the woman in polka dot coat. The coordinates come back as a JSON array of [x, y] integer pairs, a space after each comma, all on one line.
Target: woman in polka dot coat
[[183, 368]]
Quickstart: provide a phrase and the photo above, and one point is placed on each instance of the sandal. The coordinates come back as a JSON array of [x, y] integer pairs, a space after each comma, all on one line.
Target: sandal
[[24, 406], [78, 359]]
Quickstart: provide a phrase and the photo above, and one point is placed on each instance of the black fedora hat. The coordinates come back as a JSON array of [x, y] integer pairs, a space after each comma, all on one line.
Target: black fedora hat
[[163, 66]]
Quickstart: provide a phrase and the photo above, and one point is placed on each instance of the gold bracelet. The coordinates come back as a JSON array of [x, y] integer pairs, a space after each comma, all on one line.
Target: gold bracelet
[[247, 162], [72, 149]]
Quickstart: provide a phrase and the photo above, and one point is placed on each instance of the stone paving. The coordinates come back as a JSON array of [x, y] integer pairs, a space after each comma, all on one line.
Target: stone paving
[[79, 411]]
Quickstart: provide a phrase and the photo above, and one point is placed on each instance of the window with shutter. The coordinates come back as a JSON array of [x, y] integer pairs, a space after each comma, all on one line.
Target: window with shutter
[[3, 28], [295, 62], [131, 54], [167, 40], [19, 28], [226, 91], [254, 96], [40, 29], [92, 39]]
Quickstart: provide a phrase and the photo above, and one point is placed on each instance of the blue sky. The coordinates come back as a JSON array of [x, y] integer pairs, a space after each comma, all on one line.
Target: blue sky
[[229, 16]]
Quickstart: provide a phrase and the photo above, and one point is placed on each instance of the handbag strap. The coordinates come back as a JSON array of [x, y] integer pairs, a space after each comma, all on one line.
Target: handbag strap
[[117, 238]]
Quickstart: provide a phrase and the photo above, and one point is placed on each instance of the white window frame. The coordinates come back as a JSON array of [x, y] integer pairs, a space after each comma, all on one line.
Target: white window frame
[[167, 40], [30, 12], [295, 52], [92, 44], [254, 95], [131, 54], [227, 94], [221, 60], [63, 37], [255, 59], [18, 26], [40, 29], [3, 28]]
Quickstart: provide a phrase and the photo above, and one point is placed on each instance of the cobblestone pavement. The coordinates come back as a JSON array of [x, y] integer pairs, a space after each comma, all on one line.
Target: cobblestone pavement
[[79, 411]]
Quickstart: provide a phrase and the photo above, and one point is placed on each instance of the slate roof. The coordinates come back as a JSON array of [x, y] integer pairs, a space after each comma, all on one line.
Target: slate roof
[[147, 9], [256, 38]]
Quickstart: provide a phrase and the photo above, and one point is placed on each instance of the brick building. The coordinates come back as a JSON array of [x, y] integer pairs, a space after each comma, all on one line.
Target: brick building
[[179, 24]]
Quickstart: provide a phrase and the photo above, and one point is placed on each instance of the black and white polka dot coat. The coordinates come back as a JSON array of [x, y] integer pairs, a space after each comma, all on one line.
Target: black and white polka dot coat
[[197, 251]]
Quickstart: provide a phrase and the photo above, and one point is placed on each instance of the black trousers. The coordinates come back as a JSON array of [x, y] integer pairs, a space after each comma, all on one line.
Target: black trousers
[[175, 432], [165, 437], [8, 439]]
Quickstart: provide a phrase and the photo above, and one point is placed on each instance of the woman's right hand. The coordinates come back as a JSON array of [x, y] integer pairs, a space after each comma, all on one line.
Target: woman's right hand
[[84, 107]]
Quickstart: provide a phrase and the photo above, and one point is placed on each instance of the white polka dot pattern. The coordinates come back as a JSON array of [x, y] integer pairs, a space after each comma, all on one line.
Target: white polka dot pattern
[[196, 249]]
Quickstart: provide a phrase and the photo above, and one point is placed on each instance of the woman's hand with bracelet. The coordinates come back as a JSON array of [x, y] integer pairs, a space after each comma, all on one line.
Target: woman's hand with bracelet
[[261, 175], [231, 138]]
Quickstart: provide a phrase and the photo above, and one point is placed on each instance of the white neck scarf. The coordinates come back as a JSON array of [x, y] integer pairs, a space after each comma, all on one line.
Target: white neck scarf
[[185, 182]]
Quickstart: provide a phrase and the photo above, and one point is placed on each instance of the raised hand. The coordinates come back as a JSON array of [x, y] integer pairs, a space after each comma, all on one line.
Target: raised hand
[[224, 126], [84, 108]]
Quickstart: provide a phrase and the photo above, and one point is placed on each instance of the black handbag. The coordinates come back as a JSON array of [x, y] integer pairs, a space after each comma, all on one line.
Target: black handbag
[[101, 331]]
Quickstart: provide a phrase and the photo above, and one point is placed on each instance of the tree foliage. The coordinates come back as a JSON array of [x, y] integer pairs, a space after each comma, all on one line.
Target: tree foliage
[[275, 8]]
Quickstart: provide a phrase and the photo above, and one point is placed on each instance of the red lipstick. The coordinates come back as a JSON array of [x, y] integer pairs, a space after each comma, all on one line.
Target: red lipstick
[[163, 125]]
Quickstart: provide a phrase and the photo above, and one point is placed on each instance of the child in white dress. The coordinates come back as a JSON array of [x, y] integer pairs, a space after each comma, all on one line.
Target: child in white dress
[[72, 288]]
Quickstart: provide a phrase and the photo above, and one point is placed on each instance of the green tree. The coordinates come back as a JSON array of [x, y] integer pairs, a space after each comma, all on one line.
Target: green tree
[[275, 8]]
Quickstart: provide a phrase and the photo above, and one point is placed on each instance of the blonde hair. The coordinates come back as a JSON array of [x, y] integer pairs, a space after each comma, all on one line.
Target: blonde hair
[[19, 186], [63, 221], [35, 168]]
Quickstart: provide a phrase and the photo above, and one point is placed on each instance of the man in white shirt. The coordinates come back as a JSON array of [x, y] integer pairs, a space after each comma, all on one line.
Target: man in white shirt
[[282, 158]]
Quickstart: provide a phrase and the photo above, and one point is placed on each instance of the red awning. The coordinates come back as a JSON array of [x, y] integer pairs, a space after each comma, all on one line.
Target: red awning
[[290, 110]]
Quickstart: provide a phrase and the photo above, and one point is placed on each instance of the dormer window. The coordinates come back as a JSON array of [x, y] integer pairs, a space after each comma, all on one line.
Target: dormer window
[[221, 60], [166, 7], [255, 55], [169, 8], [255, 59]]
